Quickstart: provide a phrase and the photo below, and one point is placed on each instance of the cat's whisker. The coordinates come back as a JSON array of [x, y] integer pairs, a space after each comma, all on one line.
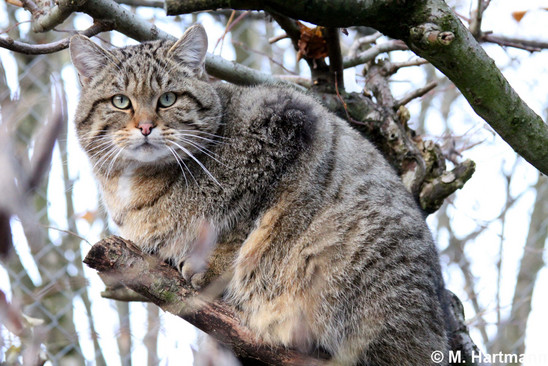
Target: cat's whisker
[[186, 151], [186, 166], [111, 165], [206, 133], [105, 158], [203, 149], [213, 142], [99, 150], [98, 146], [177, 158], [93, 137]]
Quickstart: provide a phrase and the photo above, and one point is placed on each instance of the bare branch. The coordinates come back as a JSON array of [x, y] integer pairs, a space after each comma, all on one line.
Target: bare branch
[[353, 51], [145, 3], [373, 52], [433, 31], [30, 6], [123, 262], [44, 21], [39, 49], [335, 57], [416, 62], [433, 193], [511, 339], [417, 93], [528, 45]]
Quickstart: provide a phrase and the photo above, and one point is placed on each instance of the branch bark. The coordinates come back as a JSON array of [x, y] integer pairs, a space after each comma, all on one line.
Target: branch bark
[[40, 49], [432, 31], [123, 262]]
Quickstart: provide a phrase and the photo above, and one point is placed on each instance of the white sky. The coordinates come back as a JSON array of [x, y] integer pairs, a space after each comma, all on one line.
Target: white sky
[[479, 201]]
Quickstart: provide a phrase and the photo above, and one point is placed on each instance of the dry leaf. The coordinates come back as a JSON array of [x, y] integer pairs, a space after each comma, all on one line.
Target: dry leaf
[[89, 216], [312, 44], [518, 15]]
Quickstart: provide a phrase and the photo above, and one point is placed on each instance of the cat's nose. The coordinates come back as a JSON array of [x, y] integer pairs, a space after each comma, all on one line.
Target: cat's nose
[[146, 128]]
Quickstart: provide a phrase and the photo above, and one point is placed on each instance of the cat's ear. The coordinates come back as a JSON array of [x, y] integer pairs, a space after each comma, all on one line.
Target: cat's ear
[[88, 57], [191, 48]]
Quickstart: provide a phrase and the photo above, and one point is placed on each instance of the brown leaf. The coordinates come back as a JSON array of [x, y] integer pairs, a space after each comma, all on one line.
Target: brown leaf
[[311, 44], [518, 15], [89, 216]]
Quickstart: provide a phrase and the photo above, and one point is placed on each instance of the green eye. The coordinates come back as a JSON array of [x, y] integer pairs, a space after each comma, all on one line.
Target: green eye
[[167, 99], [121, 101]]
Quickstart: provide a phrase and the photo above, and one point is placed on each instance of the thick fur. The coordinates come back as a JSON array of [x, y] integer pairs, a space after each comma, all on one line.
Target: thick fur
[[329, 251]]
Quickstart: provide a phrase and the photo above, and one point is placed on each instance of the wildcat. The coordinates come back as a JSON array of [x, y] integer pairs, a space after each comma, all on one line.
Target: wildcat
[[328, 250]]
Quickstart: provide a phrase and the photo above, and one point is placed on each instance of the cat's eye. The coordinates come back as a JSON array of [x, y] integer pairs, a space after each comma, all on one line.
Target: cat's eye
[[121, 101], [167, 99]]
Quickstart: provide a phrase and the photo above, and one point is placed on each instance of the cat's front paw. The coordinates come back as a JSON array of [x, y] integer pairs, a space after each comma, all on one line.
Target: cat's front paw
[[193, 271], [195, 263]]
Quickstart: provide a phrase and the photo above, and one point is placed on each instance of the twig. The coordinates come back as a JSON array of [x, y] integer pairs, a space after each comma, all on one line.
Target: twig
[[289, 26], [345, 106], [353, 51], [528, 45], [417, 93], [248, 49], [40, 49], [370, 54], [8, 29], [278, 38], [67, 232], [395, 66], [228, 28], [145, 3]]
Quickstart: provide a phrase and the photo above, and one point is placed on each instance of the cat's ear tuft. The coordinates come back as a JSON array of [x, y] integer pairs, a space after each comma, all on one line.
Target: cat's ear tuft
[[88, 57], [191, 48]]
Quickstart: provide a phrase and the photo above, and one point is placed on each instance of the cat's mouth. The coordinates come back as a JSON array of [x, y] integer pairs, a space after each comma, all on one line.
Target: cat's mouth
[[146, 145]]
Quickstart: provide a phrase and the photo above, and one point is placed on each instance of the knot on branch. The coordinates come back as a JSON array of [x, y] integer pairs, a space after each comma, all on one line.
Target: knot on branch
[[428, 35], [435, 191]]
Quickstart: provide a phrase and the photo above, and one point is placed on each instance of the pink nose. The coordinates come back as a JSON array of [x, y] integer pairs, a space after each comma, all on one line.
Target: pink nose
[[146, 128]]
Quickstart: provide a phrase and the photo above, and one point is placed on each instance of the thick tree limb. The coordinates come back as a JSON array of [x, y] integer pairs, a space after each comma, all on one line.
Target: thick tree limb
[[123, 262], [120, 261], [432, 31]]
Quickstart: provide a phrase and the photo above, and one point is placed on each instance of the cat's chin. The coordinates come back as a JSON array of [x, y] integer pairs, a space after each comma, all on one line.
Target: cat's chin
[[147, 154]]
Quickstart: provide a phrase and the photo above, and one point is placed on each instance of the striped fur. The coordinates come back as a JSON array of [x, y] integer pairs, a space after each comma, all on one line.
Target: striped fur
[[328, 249]]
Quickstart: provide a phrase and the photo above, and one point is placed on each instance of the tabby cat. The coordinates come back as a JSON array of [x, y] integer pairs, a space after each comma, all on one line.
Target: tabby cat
[[328, 250]]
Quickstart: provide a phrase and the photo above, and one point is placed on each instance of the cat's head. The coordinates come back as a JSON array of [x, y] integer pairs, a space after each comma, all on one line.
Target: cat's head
[[145, 104]]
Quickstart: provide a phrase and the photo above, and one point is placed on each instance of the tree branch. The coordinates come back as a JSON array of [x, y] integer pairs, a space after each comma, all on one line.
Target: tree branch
[[417, 93], [40, 49], [434, 32], [525, 44], [335, 57], [371, 53], [123, 262]]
